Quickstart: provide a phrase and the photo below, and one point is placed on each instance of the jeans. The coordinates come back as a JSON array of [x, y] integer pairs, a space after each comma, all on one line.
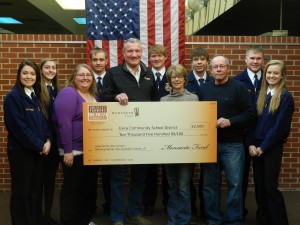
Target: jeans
[[135, 195], [179, 204], [230, 158]]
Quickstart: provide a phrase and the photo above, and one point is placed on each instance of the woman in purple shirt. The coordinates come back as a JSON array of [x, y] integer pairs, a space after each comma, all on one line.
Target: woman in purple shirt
[[75, 201]]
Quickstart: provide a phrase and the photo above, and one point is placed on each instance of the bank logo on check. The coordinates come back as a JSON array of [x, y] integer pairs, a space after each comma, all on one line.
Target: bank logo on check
[[97, 113]]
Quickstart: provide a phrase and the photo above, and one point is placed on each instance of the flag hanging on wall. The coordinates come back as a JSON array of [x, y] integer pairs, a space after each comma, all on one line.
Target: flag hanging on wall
[[109, 23]]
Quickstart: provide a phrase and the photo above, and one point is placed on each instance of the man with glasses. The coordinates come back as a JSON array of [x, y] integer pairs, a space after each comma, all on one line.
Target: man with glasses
[[234, 112]]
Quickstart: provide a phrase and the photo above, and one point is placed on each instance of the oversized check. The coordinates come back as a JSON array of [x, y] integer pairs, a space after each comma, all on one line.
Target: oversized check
[[149, 132]]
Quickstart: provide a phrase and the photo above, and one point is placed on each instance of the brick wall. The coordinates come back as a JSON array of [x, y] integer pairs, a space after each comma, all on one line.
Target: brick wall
[[69, 50]]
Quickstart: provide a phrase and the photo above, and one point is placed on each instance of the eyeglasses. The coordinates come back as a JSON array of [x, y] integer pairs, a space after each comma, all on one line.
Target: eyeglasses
[[222, 67], [178, 77], [81, 75]]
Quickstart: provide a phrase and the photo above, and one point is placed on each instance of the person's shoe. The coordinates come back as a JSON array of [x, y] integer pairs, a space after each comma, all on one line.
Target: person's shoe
[[118, 223], [106, 209], [137, 220], [50, 221], [148, 211], [193, 220], [92, 223]]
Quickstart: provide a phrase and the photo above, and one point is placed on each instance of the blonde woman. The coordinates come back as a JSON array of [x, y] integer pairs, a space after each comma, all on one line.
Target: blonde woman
[[179, 175], [275, 107], [75, 198]]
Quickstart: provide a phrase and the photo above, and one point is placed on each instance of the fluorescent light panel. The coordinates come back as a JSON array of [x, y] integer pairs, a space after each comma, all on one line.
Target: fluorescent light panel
[[80, 20], [72, 4], [9, 20]]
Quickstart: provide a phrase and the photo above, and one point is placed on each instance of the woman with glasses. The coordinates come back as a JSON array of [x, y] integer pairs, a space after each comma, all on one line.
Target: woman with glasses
[[179, 175], [75, 208]]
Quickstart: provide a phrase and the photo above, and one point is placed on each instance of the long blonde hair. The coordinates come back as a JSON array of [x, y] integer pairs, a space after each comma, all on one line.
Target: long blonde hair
[[276, 98]]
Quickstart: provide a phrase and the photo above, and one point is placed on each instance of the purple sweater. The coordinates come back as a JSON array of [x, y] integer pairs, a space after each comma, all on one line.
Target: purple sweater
[[68, 119]]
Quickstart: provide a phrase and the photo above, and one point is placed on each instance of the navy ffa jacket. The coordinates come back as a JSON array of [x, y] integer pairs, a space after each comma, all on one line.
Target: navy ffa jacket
[[193, 85], [243, 77], [26, 124], [275, 128], [119, 80]]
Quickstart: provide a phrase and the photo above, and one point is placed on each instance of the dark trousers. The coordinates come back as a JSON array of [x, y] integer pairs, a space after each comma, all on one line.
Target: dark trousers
[[26, 168], [246, 177], [150, 191], [75, 196], [105, 172], [51, 163], [270, 202]]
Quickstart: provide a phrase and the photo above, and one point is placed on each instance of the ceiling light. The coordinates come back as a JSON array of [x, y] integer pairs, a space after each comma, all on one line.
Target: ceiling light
[[80, 20], [72, 4], [9, 20]]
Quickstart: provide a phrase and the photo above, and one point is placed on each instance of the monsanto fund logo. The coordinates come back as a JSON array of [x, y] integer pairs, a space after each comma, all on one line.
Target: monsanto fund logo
[[137, 111], [97, 113]]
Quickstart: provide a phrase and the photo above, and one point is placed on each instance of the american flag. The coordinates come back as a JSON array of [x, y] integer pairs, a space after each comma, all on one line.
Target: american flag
[[109, 23]]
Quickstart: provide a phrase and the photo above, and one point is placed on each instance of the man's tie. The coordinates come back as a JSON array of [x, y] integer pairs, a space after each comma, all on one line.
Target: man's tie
[[158, 75], [255, 81], [99, 84], [201, 81]]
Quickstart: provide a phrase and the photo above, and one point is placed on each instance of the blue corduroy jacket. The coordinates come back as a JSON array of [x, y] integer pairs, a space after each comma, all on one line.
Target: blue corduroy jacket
[[26, 124]]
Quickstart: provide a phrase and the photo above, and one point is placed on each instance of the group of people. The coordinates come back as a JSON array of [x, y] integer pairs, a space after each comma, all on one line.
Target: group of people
[[45, 126]]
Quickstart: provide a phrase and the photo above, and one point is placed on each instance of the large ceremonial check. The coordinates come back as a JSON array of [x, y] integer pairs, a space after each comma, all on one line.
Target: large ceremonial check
[[149, 132]]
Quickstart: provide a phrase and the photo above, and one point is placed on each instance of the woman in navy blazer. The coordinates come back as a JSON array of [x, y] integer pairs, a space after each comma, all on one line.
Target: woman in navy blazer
[[275, 107], [49, 88], [28, 141]]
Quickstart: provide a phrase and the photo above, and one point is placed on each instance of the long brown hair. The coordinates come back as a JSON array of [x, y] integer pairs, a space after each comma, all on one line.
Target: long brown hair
[[37, 85], [275, 100], [44, 91]]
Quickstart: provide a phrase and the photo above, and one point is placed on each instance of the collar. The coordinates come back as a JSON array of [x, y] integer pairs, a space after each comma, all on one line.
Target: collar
[[198, 77], [102, 75], [271, 90], [251, 74], [28, 91], [162, 71]]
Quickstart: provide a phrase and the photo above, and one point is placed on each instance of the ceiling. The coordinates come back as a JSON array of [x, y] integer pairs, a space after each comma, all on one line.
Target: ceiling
[[40, 17], [256, 17], [248, 17]]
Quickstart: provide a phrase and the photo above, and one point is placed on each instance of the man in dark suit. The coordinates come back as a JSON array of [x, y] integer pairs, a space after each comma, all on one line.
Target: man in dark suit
[[157, 57], [197, 77], [251, 77]]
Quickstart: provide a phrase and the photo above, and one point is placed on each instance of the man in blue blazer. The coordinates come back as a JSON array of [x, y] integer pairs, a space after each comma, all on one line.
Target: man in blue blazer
[[197, 77], [251, 77], [157, 57], [199, 74]]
